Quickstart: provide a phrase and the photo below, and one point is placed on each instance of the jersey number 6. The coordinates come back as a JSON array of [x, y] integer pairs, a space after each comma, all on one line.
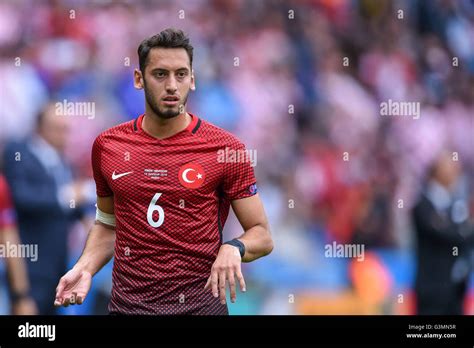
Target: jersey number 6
[[152, 208]]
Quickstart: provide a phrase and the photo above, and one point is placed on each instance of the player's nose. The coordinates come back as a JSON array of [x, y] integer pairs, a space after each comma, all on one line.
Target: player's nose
[[171, 85]]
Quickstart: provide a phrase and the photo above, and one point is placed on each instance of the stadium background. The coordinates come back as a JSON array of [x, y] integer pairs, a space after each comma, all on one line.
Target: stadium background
[[290, 97]]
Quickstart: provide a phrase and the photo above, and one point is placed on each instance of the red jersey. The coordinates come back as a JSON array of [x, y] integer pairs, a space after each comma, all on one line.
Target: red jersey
[[7, 212], [171, 198]]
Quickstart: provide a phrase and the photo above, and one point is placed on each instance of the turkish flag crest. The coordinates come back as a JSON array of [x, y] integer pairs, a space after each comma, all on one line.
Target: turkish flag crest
[[191, 175]]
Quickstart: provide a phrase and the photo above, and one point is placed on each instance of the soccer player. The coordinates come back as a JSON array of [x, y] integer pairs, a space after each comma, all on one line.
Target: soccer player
[[163, 198]]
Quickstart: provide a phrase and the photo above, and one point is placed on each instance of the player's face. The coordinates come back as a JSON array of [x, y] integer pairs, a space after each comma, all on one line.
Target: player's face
[[167, 81]]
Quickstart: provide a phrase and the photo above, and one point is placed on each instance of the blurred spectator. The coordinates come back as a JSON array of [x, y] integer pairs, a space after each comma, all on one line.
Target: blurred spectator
[[445, 240], [46, 200], [19, 286]]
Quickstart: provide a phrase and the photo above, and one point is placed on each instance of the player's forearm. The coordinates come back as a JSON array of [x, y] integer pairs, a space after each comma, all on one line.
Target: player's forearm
[[99, 249], [258, 242], [16, 266]]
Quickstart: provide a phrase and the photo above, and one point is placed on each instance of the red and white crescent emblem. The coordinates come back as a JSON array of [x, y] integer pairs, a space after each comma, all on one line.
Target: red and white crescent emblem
[[191, 175]]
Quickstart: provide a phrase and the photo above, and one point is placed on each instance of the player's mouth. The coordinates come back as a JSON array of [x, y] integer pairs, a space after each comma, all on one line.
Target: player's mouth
[[171, 100]]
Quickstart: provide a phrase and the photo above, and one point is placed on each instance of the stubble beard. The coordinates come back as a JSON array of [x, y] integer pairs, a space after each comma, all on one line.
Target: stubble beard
[[167, 112]]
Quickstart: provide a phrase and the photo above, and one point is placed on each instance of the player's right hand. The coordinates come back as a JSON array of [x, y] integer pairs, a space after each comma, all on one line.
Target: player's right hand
[[73, 288]]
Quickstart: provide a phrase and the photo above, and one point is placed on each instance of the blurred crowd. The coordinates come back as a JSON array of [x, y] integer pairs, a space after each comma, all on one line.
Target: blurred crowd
[[302, 83]]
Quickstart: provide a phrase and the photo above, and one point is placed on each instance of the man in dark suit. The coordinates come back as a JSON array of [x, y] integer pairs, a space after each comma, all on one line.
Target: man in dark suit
[[46, 200], [445, 237]]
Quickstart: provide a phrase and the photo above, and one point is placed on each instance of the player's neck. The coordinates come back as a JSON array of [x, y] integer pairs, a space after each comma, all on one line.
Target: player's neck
[[165, 127]]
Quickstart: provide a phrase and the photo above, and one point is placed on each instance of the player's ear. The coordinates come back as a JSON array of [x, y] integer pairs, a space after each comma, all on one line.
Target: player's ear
[[193, 82], [138, 79]]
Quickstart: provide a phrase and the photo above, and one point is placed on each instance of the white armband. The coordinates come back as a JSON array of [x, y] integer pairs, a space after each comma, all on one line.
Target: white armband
[[105, 218]]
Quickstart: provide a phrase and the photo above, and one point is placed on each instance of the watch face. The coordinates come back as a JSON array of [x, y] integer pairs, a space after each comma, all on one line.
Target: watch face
[[241, 248]]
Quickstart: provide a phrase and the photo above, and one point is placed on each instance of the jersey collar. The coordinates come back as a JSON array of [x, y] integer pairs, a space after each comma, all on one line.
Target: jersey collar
[[192, 127]]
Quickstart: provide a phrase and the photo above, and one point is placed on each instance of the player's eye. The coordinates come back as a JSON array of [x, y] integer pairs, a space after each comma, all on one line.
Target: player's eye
[[182, 74], [160, 74]]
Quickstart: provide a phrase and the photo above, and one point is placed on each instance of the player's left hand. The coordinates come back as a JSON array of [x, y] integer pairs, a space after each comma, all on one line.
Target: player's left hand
[[225, 269]]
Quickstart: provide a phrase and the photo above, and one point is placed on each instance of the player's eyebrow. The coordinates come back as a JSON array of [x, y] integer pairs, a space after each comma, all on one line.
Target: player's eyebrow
[[159, 70], [166, 70]]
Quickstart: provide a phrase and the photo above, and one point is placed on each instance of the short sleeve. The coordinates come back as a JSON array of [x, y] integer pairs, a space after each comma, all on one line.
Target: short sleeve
[[239, 177], [102, 187]]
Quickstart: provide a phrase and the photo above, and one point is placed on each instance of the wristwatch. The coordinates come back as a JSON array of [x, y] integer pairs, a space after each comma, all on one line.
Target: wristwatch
[[18, 296]]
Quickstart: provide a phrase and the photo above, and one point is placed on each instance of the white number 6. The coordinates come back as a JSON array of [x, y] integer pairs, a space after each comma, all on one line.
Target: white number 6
[[153, 207]]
